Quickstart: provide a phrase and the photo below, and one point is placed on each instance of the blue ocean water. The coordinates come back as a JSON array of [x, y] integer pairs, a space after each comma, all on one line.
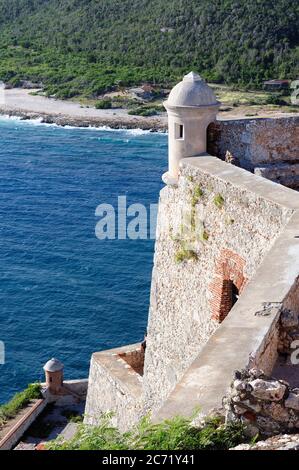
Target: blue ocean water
[[63, 292]]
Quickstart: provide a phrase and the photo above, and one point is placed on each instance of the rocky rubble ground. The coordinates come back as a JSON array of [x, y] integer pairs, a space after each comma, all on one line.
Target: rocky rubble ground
[[284, 442], [265, 405]]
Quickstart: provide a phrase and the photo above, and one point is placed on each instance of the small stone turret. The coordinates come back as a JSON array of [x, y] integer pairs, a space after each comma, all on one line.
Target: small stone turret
[[191, 107], [54, 376]]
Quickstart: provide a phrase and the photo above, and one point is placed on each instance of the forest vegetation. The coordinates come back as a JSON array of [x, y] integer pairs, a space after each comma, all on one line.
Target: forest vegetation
[[89, 47]]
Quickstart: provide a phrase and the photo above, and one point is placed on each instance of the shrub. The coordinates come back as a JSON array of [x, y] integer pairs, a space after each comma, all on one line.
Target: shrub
[[275, 98], [15, 82], [173, 434], [104, 104], [19, 401], [65, 93], [143, 111], [101, 437], [159, 108]]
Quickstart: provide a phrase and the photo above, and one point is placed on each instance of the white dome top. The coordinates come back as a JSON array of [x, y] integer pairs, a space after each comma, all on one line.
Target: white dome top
[[192, 91], [54, 365]]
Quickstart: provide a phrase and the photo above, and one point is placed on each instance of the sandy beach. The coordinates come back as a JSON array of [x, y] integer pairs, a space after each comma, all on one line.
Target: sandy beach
[[21, 103]]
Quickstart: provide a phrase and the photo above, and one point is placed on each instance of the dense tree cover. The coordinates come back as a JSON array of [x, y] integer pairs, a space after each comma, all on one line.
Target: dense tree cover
[[87, 46]]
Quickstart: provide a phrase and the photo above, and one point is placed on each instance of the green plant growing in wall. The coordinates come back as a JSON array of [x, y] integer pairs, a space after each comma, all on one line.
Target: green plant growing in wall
[[189, 231], [185, 251], [198, 192], [193, 220], [219, 201], [204, 236], [188, 238], [196, 195], [184, 254]]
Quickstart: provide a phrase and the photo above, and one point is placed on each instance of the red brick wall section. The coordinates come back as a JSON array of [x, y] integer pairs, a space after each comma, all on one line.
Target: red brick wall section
[[229, 271]]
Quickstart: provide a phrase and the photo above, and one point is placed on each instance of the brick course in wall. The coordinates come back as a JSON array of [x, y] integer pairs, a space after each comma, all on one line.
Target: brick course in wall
[[229, 272]]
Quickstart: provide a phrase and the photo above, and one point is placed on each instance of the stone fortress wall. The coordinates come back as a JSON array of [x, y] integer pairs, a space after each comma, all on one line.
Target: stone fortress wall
[[266, 146], [249, 336], [226, 267], [236, 228]]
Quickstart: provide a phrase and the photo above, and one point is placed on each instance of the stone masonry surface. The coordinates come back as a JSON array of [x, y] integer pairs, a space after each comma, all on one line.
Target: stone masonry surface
[[249, 335], [114, 386], [233, 230], [255, 142]]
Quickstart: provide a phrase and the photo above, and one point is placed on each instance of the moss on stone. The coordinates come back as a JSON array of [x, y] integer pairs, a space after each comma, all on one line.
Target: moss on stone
[[185, 255], [219, 201]]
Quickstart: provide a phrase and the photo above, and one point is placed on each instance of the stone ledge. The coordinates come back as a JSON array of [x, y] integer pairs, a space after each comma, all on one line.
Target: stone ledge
[[239, 177], [16, 432], [282, 173], [114, 386], [120, 369], [253, 119]]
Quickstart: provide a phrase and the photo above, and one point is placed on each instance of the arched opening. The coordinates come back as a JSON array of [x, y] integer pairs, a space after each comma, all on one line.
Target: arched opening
[[230, 295], [227, 284]]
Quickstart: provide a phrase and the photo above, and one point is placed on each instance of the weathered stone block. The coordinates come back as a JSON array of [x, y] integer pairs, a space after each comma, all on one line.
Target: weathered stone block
[[289, 319], [268, 390], [248, 405], [268, 426], [277, 412], [292, 401]]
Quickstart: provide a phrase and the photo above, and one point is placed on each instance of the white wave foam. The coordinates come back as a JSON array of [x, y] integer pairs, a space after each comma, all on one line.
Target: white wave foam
[[5, 117], [39, 122]]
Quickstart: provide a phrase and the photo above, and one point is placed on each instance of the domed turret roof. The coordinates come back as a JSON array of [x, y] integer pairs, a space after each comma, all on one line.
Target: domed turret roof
[[54, 365], [192, 91]]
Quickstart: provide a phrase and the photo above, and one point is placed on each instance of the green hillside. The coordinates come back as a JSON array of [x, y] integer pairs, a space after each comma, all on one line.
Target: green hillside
[[88, 46]]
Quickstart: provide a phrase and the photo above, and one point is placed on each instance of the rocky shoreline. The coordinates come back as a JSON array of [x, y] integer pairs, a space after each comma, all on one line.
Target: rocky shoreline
[[118, 122], [25, 105]]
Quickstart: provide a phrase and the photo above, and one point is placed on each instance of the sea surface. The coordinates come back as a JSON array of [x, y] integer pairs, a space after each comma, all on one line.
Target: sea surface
[[63, 292]]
